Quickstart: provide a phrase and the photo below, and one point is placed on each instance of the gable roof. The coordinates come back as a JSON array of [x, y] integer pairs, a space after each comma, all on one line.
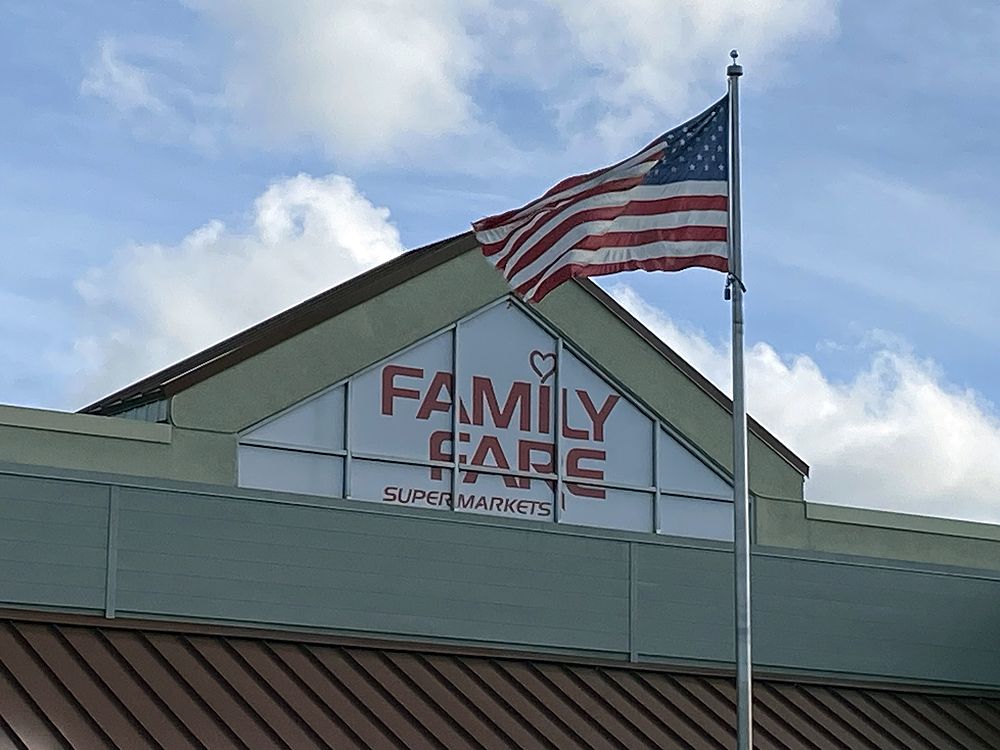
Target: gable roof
[[262, 336]]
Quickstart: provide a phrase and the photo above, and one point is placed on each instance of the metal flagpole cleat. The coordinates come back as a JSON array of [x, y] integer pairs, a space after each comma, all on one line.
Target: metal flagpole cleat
[[730, 278]]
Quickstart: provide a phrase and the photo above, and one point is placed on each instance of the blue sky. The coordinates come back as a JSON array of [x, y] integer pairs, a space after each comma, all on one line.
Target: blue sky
[[151, 148]]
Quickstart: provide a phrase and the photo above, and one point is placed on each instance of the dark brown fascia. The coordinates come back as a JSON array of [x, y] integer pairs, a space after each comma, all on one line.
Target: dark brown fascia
[[328, 304]]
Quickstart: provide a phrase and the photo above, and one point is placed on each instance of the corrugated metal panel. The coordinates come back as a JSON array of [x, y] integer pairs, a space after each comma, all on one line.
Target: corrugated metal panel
[[82, 686], [153, 411]]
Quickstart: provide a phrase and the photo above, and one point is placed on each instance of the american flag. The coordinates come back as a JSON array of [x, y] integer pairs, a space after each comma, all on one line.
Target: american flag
[[664, 209]]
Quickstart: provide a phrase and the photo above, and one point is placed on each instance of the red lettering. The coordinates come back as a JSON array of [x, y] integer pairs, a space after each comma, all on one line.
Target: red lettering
[[599, 416], [490, 446], [436, 451], [544, 409], [391, 391], [524, 459], [432, 403], [573, 469], [518, 398], [570, 432], [463, 437], [575, 455]]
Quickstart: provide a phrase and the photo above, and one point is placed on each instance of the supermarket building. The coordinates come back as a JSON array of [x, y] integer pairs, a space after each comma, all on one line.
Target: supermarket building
[[414, 512]]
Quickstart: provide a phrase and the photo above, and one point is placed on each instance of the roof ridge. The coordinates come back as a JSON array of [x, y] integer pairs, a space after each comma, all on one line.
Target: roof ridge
[[153, 386], [304, 315]]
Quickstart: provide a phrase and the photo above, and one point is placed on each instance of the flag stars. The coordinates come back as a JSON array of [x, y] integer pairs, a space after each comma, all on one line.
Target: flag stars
[[701, 145]]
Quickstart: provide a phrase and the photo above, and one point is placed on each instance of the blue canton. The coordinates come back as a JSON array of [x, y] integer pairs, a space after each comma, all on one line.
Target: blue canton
[[697, 150]]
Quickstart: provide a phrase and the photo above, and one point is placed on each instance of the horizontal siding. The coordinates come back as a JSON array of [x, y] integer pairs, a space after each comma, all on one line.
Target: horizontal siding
[[684, 603], [195, 556], [822, 615], [53, 542], [254, 559], [865, 619]]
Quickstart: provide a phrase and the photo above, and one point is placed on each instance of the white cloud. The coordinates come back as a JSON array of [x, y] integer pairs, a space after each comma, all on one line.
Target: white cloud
[[155, 88], [897, 436], [154, 304], [384, 79], [125, 86], [665, 57], [361, 76]]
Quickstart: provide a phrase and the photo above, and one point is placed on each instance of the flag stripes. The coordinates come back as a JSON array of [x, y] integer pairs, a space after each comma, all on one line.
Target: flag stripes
[[663, 209]]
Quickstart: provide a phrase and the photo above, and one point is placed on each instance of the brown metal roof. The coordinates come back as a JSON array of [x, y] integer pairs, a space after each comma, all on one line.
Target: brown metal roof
[[295, 320], [80, 682]]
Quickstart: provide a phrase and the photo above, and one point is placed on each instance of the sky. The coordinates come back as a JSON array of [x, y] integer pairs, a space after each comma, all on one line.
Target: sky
[[172, 172]]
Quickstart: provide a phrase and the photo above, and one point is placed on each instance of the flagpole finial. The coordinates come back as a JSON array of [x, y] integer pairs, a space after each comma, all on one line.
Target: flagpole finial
[[734, 70]]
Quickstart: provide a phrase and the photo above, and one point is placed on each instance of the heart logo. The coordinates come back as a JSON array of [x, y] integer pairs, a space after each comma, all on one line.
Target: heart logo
[[543, 364]]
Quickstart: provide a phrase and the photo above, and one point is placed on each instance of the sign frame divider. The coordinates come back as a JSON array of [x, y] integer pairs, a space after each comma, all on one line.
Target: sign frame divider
[[348, 494], [557, 458], [454, 416]]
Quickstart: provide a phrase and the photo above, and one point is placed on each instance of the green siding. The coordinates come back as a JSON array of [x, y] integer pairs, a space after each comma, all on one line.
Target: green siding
[[880, 534], [850, 617], [862, 618], [256, 558], [190, 455], [53, 542], [290, 565], [684, 603]]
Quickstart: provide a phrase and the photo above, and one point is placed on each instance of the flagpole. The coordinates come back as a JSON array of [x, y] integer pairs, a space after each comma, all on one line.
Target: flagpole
[[741, 497]]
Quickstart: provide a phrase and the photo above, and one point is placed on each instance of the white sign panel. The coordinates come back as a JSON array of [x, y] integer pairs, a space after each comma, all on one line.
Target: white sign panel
[[491, 419]]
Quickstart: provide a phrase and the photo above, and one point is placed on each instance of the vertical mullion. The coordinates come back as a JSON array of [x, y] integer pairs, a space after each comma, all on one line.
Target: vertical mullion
[[656, 476], [454, 416], [111, 571], [556, 441], [633, 603], [347, 439]]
